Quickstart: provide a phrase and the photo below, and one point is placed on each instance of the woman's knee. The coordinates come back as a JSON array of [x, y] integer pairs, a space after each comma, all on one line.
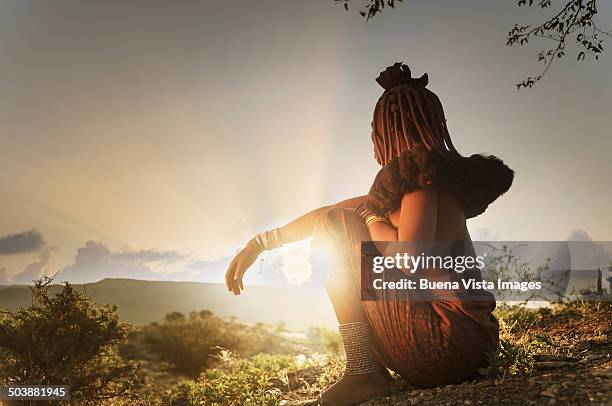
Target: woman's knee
[[327, 223], [333, 222]]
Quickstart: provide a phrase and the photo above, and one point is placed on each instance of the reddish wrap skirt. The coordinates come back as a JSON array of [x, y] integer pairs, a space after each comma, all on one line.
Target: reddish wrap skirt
[[430, 343]]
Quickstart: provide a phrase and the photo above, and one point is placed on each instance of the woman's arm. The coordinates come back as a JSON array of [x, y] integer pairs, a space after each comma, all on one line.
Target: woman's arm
[[417, 222], [302, 227], [298, 229], [418, 216], [380, 231], [418, 219]]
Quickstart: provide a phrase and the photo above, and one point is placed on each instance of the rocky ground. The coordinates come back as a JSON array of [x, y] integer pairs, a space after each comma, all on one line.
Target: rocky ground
[[588, 382], [568, 362]]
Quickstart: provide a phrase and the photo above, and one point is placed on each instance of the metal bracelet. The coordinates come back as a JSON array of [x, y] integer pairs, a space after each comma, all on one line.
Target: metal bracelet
[[268, 240], [374, 218]]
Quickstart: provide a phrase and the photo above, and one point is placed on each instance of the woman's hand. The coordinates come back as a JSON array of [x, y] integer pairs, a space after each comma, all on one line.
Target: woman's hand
[[239, 265]]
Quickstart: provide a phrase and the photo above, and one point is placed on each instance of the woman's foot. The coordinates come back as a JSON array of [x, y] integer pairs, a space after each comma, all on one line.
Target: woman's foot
[[354, 389]]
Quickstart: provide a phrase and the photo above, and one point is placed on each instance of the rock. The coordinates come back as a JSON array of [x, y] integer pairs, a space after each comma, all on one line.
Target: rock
[[583, 345], [568, 384], [590, 358], [542, 358], [602, 373], [552, 364]]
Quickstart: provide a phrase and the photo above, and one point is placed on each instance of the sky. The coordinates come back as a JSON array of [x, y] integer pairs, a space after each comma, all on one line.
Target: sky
[[151, 139]]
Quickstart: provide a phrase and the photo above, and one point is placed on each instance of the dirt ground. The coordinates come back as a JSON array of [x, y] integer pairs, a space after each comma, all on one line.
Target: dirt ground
[[579, 371]]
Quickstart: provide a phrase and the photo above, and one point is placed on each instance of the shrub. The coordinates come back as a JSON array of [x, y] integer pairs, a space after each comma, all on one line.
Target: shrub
[[518, 317], [259, 380], [189, 344], [192, 344], [331, 341], [508, 360], [65, 340]]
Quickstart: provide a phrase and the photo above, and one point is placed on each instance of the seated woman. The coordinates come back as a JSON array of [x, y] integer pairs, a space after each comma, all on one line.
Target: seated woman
[[425, 192]]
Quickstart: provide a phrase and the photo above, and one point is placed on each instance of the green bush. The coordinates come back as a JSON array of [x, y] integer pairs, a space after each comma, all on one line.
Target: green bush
[[508, 360], [191, 344], [66, 340], [521, 338], [331, 341], [518, 317], [259, 380]]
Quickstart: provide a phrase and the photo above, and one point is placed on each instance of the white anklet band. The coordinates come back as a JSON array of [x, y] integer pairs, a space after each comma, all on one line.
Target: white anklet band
[[356, 340]]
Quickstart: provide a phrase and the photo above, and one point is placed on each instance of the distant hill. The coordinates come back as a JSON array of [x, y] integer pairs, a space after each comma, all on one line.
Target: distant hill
[[141, 302]]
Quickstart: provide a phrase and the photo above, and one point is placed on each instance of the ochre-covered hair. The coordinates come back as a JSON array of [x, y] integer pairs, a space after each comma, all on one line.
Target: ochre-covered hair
[[406, 114]]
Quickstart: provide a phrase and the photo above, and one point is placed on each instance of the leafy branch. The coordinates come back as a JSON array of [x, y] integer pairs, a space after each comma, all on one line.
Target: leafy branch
[[575, 19], [372, 8]]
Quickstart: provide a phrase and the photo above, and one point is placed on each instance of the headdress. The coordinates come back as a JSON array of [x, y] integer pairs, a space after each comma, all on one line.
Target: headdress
[[399, 74]]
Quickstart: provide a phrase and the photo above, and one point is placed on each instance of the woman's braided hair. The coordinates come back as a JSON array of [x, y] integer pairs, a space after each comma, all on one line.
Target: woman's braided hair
[[407, 114]]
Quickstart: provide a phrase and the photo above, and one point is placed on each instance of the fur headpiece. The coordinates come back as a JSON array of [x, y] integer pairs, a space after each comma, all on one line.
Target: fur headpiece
[[475, 181]]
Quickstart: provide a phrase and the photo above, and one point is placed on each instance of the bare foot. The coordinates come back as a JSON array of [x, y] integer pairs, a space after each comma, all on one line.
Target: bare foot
[[354, 389]]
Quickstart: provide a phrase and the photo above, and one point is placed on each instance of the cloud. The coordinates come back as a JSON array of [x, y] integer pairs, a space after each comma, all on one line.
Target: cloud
[[485, 234], [579, 235], [30, 241], [589, 255], [296, 264], [293, 264], [97, 261], [34, 270], [30, 272], [149, 256], [208, 265], [19, 243], [209, 270]]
